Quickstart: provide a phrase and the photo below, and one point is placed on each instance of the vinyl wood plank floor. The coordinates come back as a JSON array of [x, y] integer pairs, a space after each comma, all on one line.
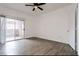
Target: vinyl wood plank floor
[[36, 46]]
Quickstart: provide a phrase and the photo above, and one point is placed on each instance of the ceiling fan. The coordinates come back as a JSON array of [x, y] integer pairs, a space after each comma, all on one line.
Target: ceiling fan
[[36, 5]]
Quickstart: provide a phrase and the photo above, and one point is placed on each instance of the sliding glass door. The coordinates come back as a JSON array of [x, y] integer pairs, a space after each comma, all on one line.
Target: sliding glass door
[[2, 30], [19, 29], [14, 29], [11, 29]]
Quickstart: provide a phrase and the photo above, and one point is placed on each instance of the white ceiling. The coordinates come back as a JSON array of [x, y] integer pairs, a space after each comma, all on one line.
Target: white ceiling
[[48, 7]]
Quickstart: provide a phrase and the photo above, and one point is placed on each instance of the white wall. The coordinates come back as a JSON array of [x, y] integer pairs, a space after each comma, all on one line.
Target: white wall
[[78, 30], [71, 25], [57, 25]]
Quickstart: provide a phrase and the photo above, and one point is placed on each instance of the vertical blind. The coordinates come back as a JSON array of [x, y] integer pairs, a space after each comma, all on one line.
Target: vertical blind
[[11, 29], [2, 30]]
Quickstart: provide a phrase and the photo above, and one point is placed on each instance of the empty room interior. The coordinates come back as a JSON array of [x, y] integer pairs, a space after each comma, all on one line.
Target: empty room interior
[[38, 29]]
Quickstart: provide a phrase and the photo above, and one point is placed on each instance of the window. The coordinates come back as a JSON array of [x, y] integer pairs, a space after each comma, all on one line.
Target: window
[[11, 29]]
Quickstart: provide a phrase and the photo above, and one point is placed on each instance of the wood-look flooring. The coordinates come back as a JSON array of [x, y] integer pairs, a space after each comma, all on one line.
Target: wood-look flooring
[[36, 46]]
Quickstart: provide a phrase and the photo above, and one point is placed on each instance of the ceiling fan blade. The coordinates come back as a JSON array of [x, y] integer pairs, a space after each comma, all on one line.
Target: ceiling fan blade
[[33, 9], [41, 4], [35, 4], [29, 5], [40, 8]]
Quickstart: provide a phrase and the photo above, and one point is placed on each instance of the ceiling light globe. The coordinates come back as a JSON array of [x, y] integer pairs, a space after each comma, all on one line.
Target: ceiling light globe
[[36, 7]]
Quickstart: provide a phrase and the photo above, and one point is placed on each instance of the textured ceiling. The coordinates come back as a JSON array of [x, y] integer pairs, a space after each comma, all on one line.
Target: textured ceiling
[[20, 7]]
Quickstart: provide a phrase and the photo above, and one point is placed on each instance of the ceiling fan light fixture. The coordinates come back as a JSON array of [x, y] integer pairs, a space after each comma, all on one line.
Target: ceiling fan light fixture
[[35, 7]]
